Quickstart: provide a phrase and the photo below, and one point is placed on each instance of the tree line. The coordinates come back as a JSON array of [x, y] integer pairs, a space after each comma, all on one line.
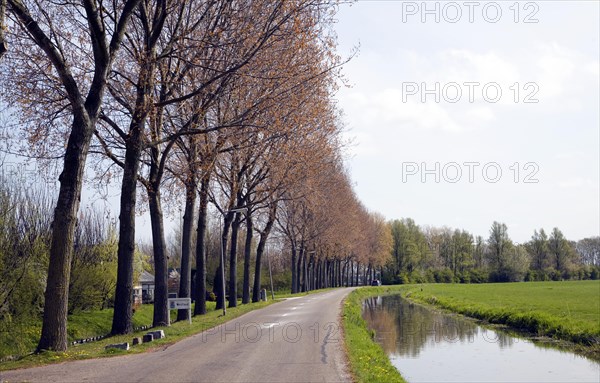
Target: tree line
[[217, 106], [433, 254]]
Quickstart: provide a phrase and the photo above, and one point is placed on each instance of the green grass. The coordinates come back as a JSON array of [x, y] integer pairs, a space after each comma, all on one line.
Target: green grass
[[567, 310], [89, 324], [21, 338], [367, 360]]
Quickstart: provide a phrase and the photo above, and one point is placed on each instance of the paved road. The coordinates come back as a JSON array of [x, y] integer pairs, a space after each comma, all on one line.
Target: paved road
[[297, 340]]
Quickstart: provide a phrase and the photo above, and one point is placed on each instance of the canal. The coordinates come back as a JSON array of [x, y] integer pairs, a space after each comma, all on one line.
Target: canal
[[429, 346]]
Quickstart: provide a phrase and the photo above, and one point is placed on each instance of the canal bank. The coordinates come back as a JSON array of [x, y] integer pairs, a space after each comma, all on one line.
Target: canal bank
[[427, 345], [365, 361]]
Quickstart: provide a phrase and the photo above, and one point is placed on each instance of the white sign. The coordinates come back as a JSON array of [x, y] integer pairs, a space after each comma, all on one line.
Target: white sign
[[180, 303]]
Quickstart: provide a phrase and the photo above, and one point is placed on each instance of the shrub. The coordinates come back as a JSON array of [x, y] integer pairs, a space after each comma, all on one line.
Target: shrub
[[403, 278], [444, 276], [417, 276]]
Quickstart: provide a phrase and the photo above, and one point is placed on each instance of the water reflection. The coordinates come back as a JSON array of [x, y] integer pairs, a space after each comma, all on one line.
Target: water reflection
[[430, 346]]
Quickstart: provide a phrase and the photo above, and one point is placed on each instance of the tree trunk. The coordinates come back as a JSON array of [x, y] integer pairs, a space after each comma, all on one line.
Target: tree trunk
[[3, 45], [247, 260], [260, 249], [218, 287], [161, 278], [294, 274], [320, 274], [304, 273], [313, 275], [334, 273], [200, 308], [186, 246], [56, 298], [257, 268], [235, 226], [299, 269], [134, 145], [321, 282], [124, 290]]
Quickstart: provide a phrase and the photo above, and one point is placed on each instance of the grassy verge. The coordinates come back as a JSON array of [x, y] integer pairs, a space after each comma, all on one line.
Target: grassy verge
[[367, 360], [89, 324], [562, 310], [21, 338]]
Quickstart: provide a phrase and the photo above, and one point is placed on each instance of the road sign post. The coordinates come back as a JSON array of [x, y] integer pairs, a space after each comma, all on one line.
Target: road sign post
[[181, 304]]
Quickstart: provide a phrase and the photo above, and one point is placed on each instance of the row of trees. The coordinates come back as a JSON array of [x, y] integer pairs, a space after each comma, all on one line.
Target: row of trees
[[451, 255], [214, 105]]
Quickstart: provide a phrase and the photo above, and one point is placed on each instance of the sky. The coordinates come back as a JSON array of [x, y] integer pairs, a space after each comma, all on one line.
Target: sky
[[463, 113]]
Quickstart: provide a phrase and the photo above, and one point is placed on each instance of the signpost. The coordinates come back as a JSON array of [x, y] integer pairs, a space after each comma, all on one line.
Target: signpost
[[181, 304]]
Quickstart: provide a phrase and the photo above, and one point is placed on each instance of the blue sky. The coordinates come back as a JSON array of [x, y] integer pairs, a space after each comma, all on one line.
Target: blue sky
[[398, 129]]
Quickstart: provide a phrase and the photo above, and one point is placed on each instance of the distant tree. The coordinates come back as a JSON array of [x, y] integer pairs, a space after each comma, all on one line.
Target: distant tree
[[409, 245], [560, 251], [589, 250], [517, 264], [463, 251], [538, 250], [499, 244], [479, 252]]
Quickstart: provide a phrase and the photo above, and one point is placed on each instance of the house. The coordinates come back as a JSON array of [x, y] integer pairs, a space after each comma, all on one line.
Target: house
[[147, 287]]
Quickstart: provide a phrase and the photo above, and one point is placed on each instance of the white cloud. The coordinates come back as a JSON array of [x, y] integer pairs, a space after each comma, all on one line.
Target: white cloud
[[465, 65], [478, 115], [559, 54], [557, 67]]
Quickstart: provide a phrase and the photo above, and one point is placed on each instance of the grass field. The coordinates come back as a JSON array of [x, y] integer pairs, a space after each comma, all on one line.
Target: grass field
[[568, 310]]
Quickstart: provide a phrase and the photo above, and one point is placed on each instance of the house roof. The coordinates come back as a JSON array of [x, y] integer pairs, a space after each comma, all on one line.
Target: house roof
[[146, 277]]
